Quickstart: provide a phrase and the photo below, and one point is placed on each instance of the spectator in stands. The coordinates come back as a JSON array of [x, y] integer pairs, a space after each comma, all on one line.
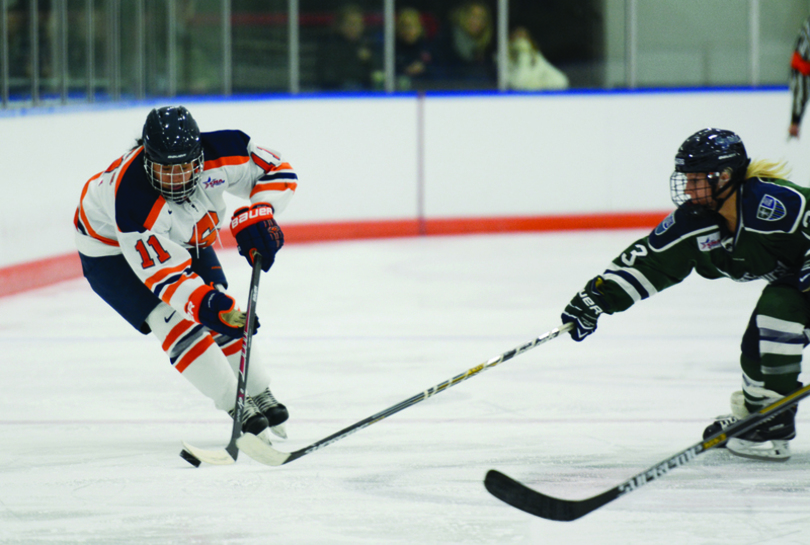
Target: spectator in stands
[[347, 60], [414, 57], [467, 50], [528, 69]]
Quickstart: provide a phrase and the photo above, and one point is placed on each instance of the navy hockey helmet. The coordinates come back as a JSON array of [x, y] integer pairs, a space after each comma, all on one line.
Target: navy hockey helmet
[[713, 152], [173, 156]]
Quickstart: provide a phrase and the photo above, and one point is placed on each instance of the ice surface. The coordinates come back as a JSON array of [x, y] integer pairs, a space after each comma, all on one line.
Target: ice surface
[[91, 414]]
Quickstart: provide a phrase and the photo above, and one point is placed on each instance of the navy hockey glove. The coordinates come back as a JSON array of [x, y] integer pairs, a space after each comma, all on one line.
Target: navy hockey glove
[[255, 230], [217, 311], [584, 310]]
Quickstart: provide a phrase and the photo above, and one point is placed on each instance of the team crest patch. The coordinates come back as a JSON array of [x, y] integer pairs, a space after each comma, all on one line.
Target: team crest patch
[[668, 222], [770, 209], [709, 242]]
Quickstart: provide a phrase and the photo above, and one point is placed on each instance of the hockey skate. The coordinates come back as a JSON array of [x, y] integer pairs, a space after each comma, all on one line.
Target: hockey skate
[[768, 441], [720, 423], [738, 412], [275, 413], [253, 421]]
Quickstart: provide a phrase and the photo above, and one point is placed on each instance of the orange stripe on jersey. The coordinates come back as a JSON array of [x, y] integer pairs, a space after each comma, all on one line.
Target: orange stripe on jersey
[[282, 166], [154, 213], [175, 333], [124, 169], [167, 295], [115, 164], [225, 161], [194, 352], [264, 165], [86, 222], [232, 348], [163, 273], [273, 186]]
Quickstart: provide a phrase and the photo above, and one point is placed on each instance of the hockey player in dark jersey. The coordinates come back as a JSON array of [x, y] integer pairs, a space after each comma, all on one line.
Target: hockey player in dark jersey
[[735, 219], [145, 230]]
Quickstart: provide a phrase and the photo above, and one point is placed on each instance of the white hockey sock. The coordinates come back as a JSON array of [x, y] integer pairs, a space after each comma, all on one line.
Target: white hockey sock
[[193, 352]]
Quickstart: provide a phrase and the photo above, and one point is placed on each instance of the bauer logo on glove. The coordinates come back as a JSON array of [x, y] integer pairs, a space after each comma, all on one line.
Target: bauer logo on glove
[[584, 310], [255, 230]]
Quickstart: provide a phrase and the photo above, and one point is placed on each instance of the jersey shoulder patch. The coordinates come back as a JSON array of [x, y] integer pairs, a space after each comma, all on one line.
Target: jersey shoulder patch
[[679, 226], [770, 205]]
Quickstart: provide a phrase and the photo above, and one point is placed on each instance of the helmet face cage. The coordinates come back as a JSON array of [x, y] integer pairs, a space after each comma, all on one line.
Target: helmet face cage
[[173, 156], [703, 201], [176, 182]]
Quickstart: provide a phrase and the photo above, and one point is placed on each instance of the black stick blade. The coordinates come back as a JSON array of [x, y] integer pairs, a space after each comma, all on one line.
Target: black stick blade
[[538, 504]]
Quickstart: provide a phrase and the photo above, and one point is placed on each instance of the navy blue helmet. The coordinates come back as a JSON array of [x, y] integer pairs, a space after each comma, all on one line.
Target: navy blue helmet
[[713, 152], [173, 156]]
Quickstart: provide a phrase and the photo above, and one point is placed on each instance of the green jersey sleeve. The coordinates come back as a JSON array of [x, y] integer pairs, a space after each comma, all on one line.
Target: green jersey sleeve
[[678, 245]]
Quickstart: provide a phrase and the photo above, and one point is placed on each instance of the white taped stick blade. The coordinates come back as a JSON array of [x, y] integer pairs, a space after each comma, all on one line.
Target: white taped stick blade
[[260, 451], [219, 457]]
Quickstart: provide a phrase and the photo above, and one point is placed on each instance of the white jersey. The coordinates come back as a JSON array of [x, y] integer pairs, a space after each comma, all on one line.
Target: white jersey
[[121, 213]]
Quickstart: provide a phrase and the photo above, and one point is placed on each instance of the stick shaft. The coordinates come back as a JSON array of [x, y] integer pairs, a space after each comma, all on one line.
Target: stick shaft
[[522, 497], [430, 392], [247, 338]]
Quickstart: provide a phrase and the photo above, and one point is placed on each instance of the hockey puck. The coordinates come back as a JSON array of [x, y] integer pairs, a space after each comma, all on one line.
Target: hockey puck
[[190, 458]]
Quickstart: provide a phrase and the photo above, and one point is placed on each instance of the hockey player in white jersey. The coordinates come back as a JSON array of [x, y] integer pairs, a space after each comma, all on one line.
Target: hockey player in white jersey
[[145, 229]]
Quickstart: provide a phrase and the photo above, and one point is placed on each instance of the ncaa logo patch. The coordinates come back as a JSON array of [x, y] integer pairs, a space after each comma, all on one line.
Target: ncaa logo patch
[[770, 209], [668, 222]]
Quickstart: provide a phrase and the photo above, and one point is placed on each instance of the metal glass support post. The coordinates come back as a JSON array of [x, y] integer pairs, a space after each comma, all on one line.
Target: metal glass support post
[[294, 47], [114, 49], [140, 53], [33, 10], [753, 40], [227, 53], [91, 51], [4, 49], [503, 43], [389, 36], [171, 47], [62, 33], [631, 44]]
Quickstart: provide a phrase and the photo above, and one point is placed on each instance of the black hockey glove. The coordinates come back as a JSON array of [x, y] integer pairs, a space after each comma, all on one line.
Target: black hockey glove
[[584, 310], [255, 230]]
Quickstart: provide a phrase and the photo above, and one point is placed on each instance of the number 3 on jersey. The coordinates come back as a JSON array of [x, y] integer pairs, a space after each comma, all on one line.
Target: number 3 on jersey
[[629, 258], [146, 259]]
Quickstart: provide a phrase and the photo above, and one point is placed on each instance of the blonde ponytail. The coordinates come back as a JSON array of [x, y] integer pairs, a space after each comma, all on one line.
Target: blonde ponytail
[[762, 168]]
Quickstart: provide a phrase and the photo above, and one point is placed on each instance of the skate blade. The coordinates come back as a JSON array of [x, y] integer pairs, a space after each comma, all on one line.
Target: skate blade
[[770, 451], [279, 431]]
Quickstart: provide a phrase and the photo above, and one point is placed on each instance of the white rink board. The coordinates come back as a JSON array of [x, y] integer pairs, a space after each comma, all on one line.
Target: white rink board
[[359, 158], [92, 417]]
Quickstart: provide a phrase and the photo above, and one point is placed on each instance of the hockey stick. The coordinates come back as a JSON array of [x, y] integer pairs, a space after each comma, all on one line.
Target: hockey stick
[[536, 503], [266, 454], [228, 455]]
